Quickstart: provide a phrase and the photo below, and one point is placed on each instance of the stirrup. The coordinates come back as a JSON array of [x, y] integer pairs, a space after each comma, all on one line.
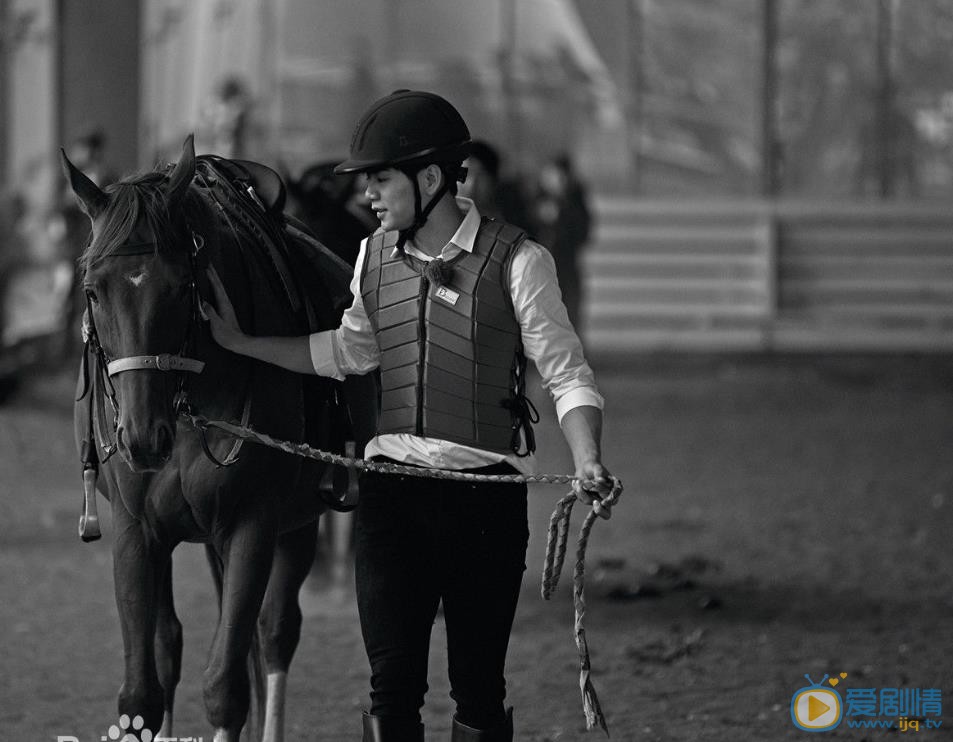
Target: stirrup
[[89, 519]]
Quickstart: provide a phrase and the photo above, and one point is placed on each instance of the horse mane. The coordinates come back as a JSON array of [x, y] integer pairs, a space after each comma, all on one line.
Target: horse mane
[[133, 199]]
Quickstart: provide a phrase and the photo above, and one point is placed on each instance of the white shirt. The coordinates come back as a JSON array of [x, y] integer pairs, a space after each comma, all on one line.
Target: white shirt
[[549, 340]]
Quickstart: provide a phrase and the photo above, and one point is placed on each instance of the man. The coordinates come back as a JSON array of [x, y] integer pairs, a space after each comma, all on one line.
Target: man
[[449, 306]]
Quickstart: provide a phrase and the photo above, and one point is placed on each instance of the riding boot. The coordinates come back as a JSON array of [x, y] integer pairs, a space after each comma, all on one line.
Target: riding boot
[[501, 733], [390, 729]]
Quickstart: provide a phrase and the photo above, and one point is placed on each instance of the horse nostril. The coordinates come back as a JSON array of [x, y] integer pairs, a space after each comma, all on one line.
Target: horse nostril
[[120, 438], [164, 440]]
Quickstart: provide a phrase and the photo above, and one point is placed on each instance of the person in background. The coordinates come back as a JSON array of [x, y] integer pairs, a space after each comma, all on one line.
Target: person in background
[[88, 153], [561, 220], [449, 305], [331, 206], [13, 210], [227, 119], [495, 196]]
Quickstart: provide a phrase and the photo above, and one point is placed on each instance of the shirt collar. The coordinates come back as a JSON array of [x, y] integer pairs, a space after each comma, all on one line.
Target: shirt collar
[[465, 236]]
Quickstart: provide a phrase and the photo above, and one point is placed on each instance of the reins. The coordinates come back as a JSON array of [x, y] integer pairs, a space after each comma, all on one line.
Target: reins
[[556, 542]]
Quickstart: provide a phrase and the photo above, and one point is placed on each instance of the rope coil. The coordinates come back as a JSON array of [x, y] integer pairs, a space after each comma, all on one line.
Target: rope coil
[[556, 542]]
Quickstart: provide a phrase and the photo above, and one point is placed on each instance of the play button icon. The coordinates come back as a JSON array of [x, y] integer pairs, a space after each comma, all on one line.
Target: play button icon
[[816, 709]]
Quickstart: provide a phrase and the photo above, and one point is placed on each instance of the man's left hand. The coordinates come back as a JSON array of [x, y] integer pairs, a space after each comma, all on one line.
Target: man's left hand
[[592, 485]]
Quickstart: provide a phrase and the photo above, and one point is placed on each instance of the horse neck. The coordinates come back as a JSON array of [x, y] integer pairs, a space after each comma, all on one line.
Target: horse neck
[[231, 382]]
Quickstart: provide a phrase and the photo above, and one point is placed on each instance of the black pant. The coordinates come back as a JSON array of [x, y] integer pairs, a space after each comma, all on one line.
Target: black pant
[[420, 541]]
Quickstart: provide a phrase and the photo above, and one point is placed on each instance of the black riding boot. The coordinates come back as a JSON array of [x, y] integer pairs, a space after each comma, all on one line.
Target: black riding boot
[[501, 733], [389, 729]]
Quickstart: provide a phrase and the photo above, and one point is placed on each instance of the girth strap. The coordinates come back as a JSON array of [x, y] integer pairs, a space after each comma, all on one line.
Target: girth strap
[[162, 362]]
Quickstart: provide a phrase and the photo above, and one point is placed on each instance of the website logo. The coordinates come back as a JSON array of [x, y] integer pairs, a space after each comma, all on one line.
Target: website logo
[[130, 730], [817, 708]]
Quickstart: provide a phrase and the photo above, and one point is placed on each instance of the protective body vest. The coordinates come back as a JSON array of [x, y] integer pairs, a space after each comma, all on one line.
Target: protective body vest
[[452, 363]]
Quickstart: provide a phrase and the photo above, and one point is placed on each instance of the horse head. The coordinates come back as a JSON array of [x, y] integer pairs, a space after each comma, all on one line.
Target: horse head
[[139, 275]]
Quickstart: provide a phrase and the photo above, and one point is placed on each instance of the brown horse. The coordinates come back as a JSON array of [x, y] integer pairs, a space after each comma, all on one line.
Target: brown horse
[[150, 358]]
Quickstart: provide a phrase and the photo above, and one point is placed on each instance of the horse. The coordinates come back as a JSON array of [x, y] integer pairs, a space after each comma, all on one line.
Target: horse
[[150, 362]]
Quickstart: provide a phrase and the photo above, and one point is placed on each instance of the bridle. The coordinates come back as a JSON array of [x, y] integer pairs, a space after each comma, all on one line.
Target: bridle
[[106, 368], [163, 361], [98, 370]]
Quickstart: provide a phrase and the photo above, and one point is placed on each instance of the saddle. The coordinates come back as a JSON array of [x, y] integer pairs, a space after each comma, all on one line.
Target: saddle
[[252, 196], [265, 184]]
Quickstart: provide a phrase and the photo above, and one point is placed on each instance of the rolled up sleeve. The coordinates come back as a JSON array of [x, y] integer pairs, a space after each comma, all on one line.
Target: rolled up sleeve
[[322, 354], [549, 339]]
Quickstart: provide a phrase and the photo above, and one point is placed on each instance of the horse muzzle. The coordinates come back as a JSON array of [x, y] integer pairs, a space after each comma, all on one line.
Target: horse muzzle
[[145, 435], [146, 450]]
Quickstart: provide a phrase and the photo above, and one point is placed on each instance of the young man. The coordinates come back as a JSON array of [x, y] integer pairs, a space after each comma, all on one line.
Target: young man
[[449, 305]]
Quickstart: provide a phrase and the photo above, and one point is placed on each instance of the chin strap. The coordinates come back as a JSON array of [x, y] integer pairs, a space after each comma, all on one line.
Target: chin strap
[[422, 212]]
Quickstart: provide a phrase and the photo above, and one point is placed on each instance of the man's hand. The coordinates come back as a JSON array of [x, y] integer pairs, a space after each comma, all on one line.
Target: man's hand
[[598, 485], [223, 323], [582, 427]]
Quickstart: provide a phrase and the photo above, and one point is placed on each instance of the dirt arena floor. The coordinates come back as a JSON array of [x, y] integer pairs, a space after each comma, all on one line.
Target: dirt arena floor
[[781, 516]]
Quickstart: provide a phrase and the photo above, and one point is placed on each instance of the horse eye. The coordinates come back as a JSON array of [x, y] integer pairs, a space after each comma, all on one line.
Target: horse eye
[[92, 296]]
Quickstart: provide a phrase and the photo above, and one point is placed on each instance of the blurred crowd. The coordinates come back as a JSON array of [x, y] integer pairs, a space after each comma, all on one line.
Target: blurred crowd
[[41, 299], [551, 205]]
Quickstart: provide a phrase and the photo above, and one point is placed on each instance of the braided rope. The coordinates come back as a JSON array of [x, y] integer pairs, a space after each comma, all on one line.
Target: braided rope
[[552, 568], [590, 700], [556, 542], [384, 467]]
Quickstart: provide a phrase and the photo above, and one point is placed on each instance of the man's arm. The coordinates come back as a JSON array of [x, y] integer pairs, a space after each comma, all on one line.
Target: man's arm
[[551, 342], [292, 353], [582, 428]]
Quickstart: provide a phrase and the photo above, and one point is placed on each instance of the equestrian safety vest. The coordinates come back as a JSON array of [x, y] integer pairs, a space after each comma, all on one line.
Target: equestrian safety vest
[[452, 363]]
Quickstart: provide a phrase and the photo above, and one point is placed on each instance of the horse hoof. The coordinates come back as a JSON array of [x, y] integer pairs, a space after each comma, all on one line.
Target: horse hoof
[[89, 528]]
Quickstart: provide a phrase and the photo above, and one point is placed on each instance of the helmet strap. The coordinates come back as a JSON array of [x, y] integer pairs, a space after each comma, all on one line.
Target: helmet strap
[[420, 213]]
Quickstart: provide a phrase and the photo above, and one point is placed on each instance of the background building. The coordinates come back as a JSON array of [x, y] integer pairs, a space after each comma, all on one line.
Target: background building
[[716, 135]]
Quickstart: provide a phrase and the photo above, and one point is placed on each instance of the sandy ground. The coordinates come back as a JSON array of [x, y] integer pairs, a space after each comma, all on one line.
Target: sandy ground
[[782, 516]]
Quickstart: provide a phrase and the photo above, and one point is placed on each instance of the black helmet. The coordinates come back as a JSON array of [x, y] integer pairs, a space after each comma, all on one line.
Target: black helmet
[[405, 129]]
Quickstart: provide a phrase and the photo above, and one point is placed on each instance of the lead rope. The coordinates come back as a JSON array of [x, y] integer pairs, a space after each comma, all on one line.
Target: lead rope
[[552, 568], [556, 542]]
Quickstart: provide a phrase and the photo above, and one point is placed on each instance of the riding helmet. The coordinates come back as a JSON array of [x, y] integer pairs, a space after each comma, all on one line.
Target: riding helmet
[[407, 128]]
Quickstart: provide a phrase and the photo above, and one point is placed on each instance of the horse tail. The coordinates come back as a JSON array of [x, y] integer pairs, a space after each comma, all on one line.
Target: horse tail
[[255, 725]]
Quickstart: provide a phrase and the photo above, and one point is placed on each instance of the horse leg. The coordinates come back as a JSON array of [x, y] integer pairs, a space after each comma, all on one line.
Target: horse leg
[[137, 565], [280, 619], [168, 648], [247, 554]]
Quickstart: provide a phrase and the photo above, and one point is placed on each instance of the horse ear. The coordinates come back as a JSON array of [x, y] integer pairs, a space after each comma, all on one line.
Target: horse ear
[[91, 198], [181, 176]]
